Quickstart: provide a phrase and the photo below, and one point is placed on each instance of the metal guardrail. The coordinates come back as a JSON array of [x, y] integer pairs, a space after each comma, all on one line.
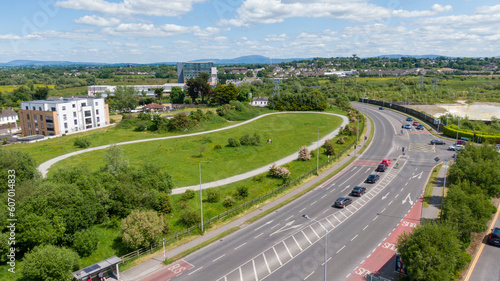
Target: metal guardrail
[[156, 245]]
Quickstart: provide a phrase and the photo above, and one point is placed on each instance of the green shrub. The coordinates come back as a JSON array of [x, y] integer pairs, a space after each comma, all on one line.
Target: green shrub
[[164, 204], [233, 142], [330, 149], [188, 194], [259, 178], [189, 217], [217, 146], [213, 195], [228, 202], [341, 140], [81, 142], [242, 191], [85, 242]]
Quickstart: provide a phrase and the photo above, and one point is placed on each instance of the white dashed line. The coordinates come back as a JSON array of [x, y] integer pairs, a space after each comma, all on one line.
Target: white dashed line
[[240, 246], [366, 227], [374, 218], [308, 275], [354, 237], [195, 270], [219, 258], [302, 210], [341, 249], [383, 210], [313, 203], [259, 235]]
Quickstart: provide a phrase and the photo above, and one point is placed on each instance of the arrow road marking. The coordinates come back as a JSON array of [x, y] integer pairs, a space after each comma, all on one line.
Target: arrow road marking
[[418, 175], [345, 188], [407, 198], [385, 196], [263, 225], [286, 227]]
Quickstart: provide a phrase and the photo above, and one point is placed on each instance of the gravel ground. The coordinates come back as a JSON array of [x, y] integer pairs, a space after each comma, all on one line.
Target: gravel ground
[[474, 111]]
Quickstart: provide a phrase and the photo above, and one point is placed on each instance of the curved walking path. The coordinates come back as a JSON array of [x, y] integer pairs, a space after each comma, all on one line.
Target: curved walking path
[[44, 167]]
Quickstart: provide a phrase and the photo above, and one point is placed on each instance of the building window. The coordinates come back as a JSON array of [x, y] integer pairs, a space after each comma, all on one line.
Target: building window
[[40, 108], [50, 127], [84, 104], [74, 114], [64, 117], [97, 112], [53, 109], [49, 119], [65, 125], [63, 107], [98, 119], [41, 117], [43, 133], [96, 103], [76, 122], [87, 113], [28, 116], [34, 108], [26, 107], [42, 125], [88, 121], [74, 105], [34, 117]]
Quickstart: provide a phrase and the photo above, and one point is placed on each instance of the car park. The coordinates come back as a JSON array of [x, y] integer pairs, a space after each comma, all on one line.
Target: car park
[[381, 168], [373, 178], [408, 126], [456, 147], [415, 123], [437, 142], [386, 162], [494, 237], [358, 191], [420, 127], [409, 119], [343, 202]]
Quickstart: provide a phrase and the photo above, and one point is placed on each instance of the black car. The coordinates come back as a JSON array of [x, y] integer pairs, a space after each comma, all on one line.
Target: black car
[[494, 237], [381, 108], [358, 191], [372, 178], [381, 168], [437, 142], [343, 202]]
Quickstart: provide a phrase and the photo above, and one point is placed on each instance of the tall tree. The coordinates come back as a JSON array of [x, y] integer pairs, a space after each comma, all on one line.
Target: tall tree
[[50, 263], [115, 160], [177, 95], [158, 93], [141, 228], [124, 98], [41, 93], [199, 87], [223, 94]]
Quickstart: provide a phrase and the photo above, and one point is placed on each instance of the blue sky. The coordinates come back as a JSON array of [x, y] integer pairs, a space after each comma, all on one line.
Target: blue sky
[[146, 31]]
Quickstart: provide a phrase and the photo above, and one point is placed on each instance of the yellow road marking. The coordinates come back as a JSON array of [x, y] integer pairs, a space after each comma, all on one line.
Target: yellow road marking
[[476, 258]]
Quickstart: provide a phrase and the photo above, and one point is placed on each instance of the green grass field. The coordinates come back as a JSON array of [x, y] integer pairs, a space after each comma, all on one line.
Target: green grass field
[[180, 156]]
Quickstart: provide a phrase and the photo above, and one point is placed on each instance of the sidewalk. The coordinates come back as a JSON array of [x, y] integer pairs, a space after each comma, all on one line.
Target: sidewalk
[[155, 264], [432, 212]]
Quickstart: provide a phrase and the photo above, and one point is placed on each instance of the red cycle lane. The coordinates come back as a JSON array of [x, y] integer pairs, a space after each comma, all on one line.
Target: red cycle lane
[[170, 271], [381, 261]]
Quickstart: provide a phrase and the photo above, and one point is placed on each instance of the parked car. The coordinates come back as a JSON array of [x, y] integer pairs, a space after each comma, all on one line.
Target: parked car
[[408, 126], [343, 202], [456, 147], [497, 146], [415, 123], [437, 142], [373, 178], [386, 162], [420, 127], [358, 191], [381, 168], [381, 108], [409, 119], [461, 142], [494, 237]]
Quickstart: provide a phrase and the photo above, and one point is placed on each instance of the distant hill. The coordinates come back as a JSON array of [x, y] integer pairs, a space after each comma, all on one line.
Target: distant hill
[[43, 63], [253, 59]]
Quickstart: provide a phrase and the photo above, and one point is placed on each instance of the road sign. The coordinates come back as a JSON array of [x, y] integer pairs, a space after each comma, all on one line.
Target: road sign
[[437, 159]]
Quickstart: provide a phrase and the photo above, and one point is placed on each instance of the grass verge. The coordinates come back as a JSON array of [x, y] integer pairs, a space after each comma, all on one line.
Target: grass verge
[[430, 186]]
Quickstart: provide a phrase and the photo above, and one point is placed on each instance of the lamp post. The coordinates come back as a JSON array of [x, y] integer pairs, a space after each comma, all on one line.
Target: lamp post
[[317, 152], [201, 198], [326, 237]]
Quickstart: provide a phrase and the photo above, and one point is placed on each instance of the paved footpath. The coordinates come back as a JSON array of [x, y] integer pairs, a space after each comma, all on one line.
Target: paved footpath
[[382, 261]]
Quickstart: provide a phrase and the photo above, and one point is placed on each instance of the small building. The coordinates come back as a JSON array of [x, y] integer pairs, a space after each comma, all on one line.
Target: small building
[[260, 101], [62, 116], [8, 119], [154, 107]]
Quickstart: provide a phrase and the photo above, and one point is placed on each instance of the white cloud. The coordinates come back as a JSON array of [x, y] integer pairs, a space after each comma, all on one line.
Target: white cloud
[[98, 21], [276, 37], [274, 11], [151, 30], [17, 37], [171, 8]]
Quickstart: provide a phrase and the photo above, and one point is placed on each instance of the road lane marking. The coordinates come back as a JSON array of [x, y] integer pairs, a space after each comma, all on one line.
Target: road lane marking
[[336, 218], [354, 237], [314, 232], [345, 188], [241, 273], [276, 253], [341, 249], [390, 203], [263, 225], [366, 227], [240, 246], [329, 222], [324, 196], [288, 250], [289, 217], [325, 211], [307, 238], [259, 235], [275, 226], [313, 203], [308, 275], [374, 218], [265, 261], [383, 210], [396, 196], [254, 271], [402, 188], [296, 242], [195, 270], [219, 258], [302, 210], [327, 260]]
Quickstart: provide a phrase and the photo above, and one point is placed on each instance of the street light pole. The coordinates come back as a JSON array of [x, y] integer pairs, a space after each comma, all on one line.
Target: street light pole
[[201, 198], [326, 237], [317, 152]]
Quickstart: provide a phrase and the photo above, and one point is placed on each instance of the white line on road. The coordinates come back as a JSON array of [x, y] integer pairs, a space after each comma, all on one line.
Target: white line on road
[[374, 218], [327, 261], [255, 271], [383, 210], [288, 250], [276, 253], [354, 237], [289, 217], [259, 235], [307, 238], [308, 275], [275, 226], [267, 265], [325, 211], [296, 242], [195, 270], [396, 196], [241, 273], [366, 226], [314, 231], [406, 183], [313, 203], [341, 249], [240, 246], [402, 188], [219, 258], [390, 203], [324, 196], [302, 210]]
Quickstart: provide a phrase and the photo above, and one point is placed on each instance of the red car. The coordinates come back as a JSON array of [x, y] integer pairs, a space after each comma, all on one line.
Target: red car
[[415, 123], [387, 162]]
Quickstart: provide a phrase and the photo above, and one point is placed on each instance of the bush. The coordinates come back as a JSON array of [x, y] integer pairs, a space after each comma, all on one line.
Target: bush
[[82, 142], [279, 172], [141, 228], [304, 154], [217, 146], [242, 191], [233, 142], [228, 202], [341, 140], [330, 149], [49, 262], [188, 100], [248, 140], [213, 195], [179, 122], [259, 178], [189, 217], [85, 242], [188, 194], [164, 204]]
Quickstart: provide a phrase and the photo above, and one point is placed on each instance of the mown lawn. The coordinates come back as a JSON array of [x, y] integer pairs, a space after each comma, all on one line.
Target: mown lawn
[[180, 156]]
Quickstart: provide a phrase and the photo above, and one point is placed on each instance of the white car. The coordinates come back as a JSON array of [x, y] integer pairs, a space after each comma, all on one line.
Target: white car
[[456, 147]]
